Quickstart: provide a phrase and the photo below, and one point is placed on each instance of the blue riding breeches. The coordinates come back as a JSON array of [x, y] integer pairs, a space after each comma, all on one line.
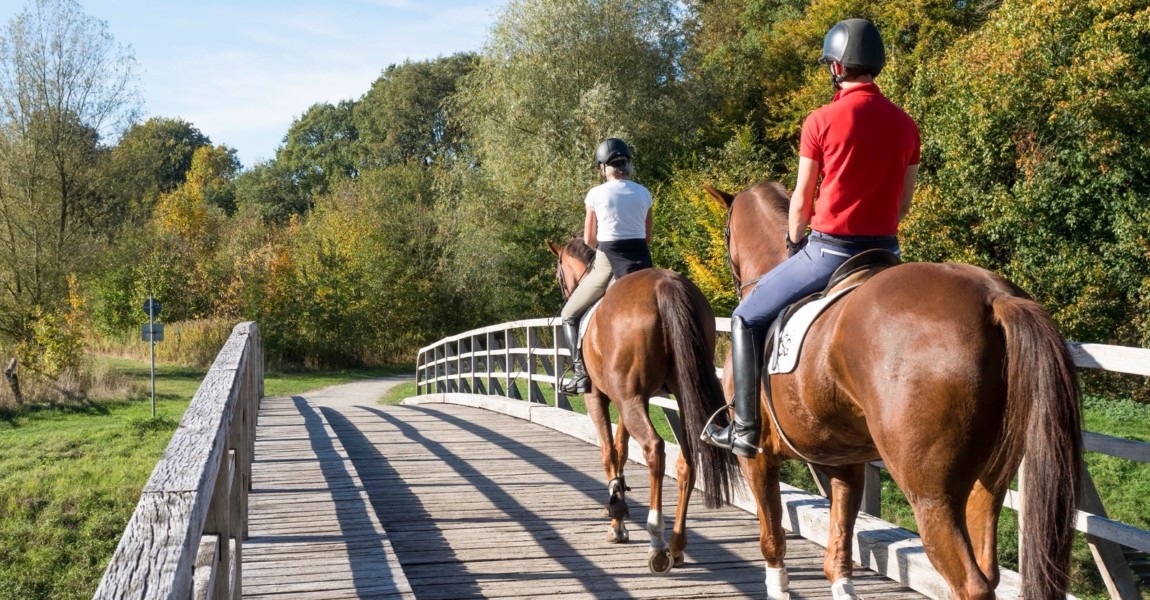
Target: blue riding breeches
[[805, 273]]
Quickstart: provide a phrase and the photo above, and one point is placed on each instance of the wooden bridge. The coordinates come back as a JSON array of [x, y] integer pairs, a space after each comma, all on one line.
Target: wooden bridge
[[470, 490]]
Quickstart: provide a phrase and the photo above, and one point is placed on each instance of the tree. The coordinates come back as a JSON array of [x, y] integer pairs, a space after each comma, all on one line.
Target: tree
[[554, 79], [64, 85], [151, 158], [1037, 160], [267, 191], [320, 148], [403, 117]]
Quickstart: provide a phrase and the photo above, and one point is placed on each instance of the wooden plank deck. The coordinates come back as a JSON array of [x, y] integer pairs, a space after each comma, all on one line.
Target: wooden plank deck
[[446, 501]]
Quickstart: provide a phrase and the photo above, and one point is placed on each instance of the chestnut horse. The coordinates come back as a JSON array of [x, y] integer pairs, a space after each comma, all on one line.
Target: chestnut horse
[[949, 374], [653, 329]]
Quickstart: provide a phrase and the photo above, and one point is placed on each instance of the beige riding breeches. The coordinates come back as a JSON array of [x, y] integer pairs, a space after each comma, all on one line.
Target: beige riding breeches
[[590, 288]]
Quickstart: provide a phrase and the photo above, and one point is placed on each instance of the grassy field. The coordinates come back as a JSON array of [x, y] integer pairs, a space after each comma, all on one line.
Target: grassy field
[[70, 476]]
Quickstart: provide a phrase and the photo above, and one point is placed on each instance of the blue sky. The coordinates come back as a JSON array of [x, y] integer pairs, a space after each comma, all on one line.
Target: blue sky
[[242, 70]]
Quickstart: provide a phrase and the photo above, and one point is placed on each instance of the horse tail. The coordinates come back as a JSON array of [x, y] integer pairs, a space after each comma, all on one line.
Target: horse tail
[[1042, 421], [685, 315]]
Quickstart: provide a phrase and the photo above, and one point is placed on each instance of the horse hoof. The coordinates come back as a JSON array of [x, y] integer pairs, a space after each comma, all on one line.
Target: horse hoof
[[844, 589], [679, 560], [660, 561], [618, 536]]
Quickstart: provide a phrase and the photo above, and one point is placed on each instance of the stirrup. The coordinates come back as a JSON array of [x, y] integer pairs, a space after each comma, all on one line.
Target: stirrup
[[575, 385], [744, 449], [703, 436]]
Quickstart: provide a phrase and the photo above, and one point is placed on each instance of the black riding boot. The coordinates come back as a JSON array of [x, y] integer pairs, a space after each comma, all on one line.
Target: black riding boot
[[579, 383], [742, 436]]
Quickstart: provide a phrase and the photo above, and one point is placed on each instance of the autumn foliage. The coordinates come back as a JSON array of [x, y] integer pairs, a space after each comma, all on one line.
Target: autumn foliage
[[420, 209]]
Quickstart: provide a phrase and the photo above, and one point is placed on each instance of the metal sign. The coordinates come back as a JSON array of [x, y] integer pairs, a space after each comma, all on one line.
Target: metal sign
[[152, 307], [153, 332]]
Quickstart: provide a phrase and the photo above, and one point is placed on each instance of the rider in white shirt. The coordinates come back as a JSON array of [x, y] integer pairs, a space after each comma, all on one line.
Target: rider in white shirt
[[618, 226]]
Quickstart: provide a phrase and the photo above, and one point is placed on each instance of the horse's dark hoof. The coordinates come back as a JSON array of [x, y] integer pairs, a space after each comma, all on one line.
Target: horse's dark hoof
[[660, 561]]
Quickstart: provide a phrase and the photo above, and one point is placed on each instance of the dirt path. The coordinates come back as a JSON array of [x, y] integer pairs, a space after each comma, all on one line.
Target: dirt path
[[358, 393]]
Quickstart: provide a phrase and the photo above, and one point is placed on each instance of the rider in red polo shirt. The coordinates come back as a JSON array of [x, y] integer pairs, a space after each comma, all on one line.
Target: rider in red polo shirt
[[866, 149]]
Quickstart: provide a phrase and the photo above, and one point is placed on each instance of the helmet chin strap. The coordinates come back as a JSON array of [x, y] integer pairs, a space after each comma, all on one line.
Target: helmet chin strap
[[836, 80]]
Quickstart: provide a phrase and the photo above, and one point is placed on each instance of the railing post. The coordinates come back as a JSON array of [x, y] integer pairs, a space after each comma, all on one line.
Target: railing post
[[441, 369], [534, 394], [456, 364], [475, 384], [561, 400], [1108, 555], [872, 491], [492, 345]]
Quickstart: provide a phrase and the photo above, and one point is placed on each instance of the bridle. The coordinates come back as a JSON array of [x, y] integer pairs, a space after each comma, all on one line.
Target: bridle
[[740, 285], [559, 277]]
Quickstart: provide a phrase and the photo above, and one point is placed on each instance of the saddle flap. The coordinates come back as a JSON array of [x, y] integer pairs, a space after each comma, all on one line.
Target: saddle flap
[[585, 319], [790, 328], [787, 336]]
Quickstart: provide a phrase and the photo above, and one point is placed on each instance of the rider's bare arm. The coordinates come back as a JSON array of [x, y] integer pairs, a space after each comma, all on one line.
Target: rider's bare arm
[[803, 198], [591, 227], [908, 182]]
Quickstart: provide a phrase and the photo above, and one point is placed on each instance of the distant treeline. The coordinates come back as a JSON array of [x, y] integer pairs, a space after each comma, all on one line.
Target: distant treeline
[[420, 209]]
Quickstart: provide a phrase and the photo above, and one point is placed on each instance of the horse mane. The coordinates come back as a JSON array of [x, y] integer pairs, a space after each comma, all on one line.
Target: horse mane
[[579, 250], [772, 195]]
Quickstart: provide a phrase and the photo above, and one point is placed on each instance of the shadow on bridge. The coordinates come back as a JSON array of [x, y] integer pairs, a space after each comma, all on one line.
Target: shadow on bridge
[[374, 470], [475, 504]]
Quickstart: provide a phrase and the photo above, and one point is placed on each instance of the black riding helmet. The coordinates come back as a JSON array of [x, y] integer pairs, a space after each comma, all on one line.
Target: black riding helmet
[[610, 151], [855, 43]]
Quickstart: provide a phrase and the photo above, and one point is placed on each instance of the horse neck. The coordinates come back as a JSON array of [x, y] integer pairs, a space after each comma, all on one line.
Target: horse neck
[[758, 231]]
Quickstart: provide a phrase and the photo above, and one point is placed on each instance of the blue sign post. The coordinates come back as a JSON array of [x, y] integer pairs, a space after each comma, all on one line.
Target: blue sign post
[[153, 332]]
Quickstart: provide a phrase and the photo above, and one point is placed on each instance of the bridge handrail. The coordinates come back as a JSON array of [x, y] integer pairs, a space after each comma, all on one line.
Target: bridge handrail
[[185, 537], [495, 359]]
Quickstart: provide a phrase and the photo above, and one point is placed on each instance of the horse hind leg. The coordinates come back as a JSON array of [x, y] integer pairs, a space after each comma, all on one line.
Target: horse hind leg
[[982, 510], [633, 412], [685, 475], [942, 525]]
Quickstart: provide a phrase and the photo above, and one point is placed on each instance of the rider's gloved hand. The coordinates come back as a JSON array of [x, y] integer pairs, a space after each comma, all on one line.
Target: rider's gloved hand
[[794, 247]]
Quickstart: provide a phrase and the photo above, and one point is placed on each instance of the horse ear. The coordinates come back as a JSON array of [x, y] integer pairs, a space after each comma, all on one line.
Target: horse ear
[[721, 197], [554, 248]]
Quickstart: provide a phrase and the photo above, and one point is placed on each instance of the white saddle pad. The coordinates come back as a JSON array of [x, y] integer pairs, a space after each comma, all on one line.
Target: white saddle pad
[[586, 318], [789, 341]]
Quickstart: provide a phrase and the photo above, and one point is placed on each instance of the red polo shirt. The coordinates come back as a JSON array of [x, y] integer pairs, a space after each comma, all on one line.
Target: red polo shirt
[[864, 144]]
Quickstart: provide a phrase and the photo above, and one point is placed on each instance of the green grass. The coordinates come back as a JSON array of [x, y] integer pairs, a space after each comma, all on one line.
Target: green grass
[[397, 393], [70, 476]]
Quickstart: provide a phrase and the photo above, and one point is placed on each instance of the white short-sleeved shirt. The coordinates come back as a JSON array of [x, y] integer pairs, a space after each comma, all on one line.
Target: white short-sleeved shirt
[[620, 207]]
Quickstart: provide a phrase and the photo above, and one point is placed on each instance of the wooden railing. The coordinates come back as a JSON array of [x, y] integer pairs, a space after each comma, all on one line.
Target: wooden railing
[[185, 538], [499, 359]]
